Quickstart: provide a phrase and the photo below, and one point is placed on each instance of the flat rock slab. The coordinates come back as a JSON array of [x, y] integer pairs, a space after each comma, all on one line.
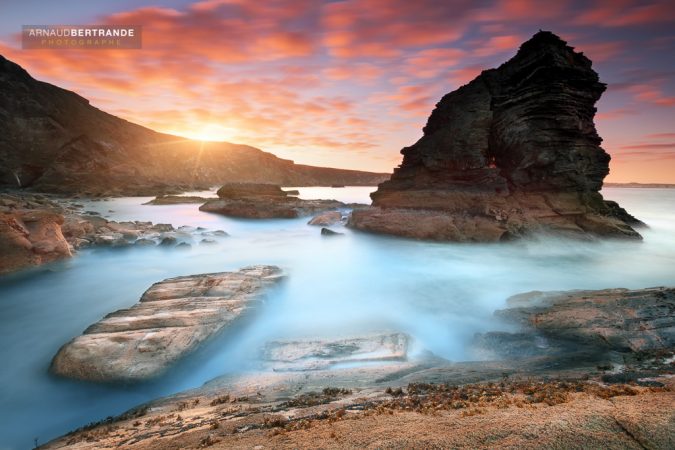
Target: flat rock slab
[[316, 354], [618, 319], [268, 207], [171, 319]]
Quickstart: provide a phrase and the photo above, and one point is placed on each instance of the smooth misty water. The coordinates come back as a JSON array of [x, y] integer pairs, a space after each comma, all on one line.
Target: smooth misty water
[[439, 293]]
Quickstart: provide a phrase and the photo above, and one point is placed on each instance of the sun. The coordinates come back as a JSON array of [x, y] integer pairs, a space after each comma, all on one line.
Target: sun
[[210, 132]]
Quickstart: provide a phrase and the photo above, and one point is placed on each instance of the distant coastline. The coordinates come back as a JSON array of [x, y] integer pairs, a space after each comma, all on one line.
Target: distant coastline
[[640, 185]]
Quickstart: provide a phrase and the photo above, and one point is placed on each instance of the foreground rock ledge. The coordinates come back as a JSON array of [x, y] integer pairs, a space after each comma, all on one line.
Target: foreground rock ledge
[[615, 319], [172, 318], [607, 389], [512, 153]]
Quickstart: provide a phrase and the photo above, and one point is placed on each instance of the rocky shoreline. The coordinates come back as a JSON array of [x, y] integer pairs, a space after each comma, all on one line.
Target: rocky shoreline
[[37, 229], [626, 388]]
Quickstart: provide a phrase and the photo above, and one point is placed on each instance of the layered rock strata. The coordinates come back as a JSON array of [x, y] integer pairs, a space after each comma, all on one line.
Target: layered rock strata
[[171, 319], [512, 153]]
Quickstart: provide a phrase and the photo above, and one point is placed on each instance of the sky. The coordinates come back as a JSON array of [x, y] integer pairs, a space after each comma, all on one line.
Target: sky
[[349, 83]]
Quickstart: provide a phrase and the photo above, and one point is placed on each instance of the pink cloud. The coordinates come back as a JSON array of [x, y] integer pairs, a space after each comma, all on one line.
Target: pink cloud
[[383, 28], [626, 13], [431, 62]]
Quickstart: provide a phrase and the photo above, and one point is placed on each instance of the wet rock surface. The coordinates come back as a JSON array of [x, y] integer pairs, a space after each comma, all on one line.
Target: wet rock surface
[[30, 238], [172, 319], [512, 153], [572, 395], [315, 354], [37, 229], [326, 219], [176, 200], [613, 319], [264, 201]]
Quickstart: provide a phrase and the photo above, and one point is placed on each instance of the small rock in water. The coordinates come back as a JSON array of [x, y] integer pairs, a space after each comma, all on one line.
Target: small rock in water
[[184, 246], [143, 242], [162, 227], [329, 232], [207, 242], [168, 241], [327, 218]]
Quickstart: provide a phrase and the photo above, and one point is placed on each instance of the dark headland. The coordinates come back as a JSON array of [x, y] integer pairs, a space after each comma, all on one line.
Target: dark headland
[[53, 140]]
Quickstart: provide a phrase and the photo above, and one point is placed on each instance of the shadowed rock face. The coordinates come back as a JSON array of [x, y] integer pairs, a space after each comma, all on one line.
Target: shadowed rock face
[[53, 140], [513, 152], [172, 318]]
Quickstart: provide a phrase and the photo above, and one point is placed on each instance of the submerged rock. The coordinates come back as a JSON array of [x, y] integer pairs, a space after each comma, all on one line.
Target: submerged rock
[[329, 232], [326, 219], [172, 318], [512, 153], [168, 241], [316, 354], [263, 201]]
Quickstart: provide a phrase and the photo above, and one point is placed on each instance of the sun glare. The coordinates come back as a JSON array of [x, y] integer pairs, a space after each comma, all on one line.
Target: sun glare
[[210, 132]]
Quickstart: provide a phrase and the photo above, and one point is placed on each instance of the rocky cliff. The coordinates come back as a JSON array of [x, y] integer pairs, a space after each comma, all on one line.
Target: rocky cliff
[[52, 140], [513, 152]]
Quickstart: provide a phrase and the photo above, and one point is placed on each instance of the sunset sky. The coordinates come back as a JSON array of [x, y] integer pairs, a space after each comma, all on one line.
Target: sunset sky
[[349, 83]]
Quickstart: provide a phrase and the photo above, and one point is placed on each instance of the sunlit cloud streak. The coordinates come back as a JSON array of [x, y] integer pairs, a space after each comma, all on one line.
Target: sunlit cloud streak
[[349, 83]]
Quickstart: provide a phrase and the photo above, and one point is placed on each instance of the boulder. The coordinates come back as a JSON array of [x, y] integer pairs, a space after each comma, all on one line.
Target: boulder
[[168, 241], [29, 238], [171, 319], [326, 219], [513, 153]]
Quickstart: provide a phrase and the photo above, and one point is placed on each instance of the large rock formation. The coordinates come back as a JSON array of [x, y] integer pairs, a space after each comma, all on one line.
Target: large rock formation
[[513, 152], [264, 201], [172, 318], [53, 140]]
